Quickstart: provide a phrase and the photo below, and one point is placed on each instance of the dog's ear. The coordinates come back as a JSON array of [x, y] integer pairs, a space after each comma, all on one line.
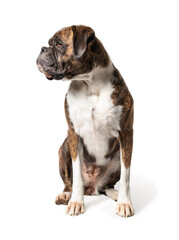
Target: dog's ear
[[81, 37]]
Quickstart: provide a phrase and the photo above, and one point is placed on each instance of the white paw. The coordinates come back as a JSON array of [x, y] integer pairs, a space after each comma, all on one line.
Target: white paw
[[75, 208], [124, 209]]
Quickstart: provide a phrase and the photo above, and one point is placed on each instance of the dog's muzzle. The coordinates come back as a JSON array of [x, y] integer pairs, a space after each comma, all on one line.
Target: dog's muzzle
[[47, 64]]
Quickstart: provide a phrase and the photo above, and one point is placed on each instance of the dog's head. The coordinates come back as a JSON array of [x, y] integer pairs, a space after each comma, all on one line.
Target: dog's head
[[72, 51]]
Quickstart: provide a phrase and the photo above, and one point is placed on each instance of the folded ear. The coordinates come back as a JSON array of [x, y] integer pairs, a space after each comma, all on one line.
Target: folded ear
[[81, 37]]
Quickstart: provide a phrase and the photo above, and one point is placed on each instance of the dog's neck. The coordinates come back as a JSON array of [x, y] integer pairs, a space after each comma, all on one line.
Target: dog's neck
[[93, 81]]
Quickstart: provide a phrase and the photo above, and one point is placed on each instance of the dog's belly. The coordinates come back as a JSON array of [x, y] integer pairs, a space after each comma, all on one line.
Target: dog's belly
[[98, 178]]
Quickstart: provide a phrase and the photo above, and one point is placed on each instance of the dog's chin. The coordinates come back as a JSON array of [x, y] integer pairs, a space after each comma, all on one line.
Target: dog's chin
[[49, 78], [55, 76]]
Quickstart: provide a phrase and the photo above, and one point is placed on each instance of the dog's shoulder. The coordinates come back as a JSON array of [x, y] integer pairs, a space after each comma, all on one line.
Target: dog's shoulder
[[121, 96]]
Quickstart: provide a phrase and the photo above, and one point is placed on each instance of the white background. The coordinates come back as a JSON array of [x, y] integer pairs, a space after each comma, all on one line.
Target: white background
[[142, 39]]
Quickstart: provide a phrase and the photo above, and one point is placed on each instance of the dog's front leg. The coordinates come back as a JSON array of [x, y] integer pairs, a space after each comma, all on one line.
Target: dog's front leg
[[124, 206], [76, 203]]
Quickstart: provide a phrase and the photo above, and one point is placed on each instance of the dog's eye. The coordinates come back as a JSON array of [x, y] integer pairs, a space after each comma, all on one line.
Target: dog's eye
[[59, 45]]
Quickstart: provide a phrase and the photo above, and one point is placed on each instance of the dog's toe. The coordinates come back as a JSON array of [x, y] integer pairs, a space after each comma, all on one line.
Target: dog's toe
[[63, 198], [75, 208], [124, 209]]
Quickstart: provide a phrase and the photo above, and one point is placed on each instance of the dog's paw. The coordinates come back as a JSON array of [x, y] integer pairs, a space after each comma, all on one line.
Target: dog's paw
[[124, 209], [63, 198], [75, 208]]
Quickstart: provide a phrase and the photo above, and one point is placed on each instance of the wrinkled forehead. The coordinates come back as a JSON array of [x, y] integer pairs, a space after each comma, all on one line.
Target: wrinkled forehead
[[64, 34]]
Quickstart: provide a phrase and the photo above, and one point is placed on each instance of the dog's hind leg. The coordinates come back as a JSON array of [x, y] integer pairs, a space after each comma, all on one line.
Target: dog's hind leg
[[65, 168], [112, 193]]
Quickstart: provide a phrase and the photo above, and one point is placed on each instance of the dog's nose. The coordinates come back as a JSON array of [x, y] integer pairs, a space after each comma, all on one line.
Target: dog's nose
[[44, 49]]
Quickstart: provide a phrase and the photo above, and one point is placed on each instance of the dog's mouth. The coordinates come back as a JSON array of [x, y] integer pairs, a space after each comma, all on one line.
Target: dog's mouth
[[49, 75]]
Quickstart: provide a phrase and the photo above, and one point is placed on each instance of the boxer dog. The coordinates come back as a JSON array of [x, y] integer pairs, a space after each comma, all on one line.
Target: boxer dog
[[99, 112]]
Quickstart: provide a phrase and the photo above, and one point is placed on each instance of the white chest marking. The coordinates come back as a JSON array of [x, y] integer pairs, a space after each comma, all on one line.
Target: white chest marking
[[94, 116]]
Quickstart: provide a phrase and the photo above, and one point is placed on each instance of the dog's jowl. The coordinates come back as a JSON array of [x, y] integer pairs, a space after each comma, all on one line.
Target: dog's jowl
[[99, 112]]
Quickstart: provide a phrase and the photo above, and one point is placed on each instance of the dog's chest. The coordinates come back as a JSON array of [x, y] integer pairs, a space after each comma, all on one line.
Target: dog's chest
[[95, 118]]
